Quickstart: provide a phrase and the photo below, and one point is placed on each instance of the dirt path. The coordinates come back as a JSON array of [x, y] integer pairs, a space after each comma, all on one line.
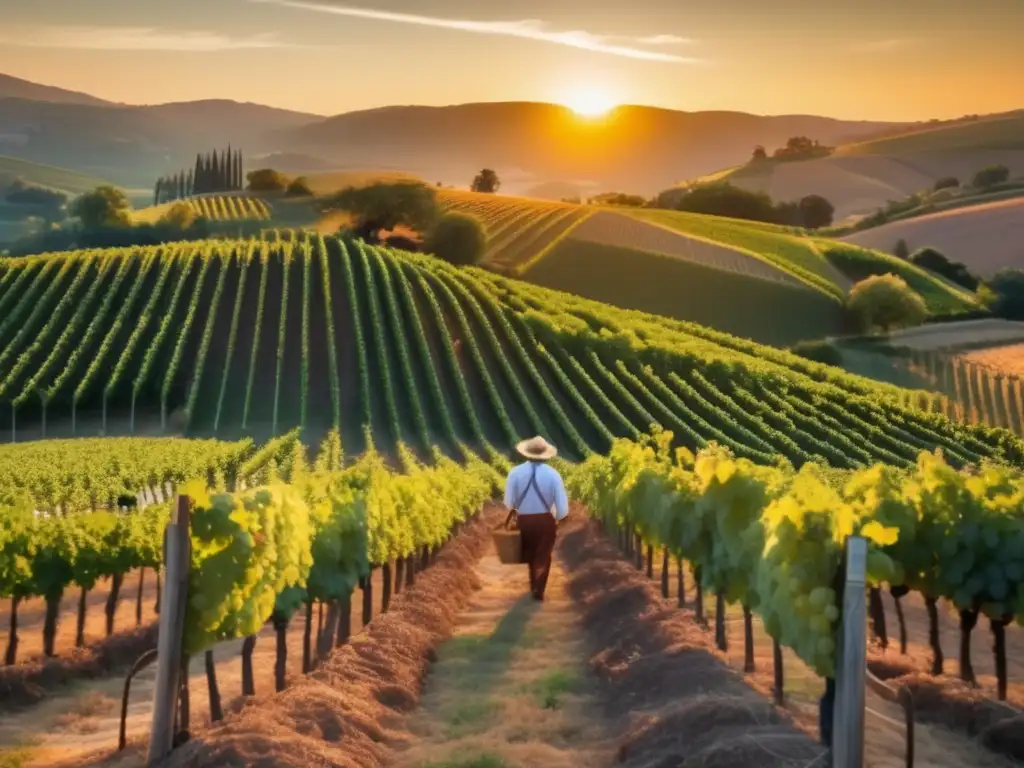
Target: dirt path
[[511, 687]]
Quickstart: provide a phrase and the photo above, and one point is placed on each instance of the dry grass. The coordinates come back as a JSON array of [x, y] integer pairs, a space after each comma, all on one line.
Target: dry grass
[[348, 713], [1008, 358]]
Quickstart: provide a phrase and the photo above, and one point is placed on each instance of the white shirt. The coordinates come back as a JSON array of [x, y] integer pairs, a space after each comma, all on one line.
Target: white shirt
[[549, 483]]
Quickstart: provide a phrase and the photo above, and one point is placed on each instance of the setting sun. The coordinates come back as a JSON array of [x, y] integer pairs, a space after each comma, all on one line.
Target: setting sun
[[589, 102]]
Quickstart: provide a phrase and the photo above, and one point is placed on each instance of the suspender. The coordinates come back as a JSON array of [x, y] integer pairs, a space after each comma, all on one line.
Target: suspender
[[532, 484]]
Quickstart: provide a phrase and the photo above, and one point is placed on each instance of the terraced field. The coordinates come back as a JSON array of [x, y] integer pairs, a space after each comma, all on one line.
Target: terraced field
[[520, 231], [214, 208], [242, 337]]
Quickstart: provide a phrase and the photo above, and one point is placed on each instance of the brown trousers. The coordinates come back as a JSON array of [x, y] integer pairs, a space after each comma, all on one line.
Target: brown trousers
[[538, 533]]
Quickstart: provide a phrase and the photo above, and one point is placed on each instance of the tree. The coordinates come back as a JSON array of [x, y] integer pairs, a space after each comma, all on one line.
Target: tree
[[990, 176], [458, 238], [266, 180], [1008, 287], [181, 215], [21, 192], [886, 302], [724, 199], [105, 206], [299, 188], [486, 181], [946, 182], [386, 205], [619, 198], [816, 211], [933, 260], [901, 250], [759, 154]]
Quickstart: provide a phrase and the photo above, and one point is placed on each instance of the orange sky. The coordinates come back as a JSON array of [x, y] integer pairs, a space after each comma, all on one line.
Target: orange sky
[[870, 59]]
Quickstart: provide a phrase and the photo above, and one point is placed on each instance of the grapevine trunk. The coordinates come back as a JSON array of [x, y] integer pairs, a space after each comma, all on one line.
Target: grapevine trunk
[[138, 597], [938, 660], [664, 572], [385, 597], [748, 640], [50, 624], [216, 711], [968, 620], [780, 693], [345, 620], [11, 655], [248, 684], [115, 592], [281, 662], [307, 636], [80, 628], [998, 627]]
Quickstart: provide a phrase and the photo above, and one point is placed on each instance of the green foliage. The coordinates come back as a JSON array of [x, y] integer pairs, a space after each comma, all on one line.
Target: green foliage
[[457, 238], [299, 187], [103, 207], [820, 351], [886, 302], [815, 212], [21, 192], [486, 181], [931, 259], [266, 180], [387, 205], [901, 250], [946, 182], [619, 198], [990, 176], [1008, 287], [180, 215]]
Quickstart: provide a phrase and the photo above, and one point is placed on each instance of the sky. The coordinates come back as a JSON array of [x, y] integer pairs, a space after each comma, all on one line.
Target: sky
[[853, 59]]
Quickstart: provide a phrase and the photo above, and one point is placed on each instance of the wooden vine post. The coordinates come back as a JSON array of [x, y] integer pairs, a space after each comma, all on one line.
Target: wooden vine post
[[851, 662], [177, 556]]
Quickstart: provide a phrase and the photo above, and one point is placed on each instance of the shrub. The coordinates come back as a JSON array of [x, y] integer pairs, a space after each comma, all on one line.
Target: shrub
[[901, 249], [1008, 287], [403, 243], [933, 260], [266, 180], [180, 215], [20, 192], [299, 188], [724, 199], [819, 351], [457, 238], [886, 302], [990, 176], [815, 212], [486, 181], [105, 206], [946, 182]]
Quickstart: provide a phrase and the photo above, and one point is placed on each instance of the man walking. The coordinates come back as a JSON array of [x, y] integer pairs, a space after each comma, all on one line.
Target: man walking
[[536, 492]]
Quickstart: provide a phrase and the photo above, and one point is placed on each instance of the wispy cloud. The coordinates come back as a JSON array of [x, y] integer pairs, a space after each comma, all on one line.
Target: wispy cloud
[[529, 29], [133, 39]]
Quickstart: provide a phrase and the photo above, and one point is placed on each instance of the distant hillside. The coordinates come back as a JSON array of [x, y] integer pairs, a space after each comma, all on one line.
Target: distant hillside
[[860, 177], [16, 88], [66, 180], [634, 149], [986, 237]]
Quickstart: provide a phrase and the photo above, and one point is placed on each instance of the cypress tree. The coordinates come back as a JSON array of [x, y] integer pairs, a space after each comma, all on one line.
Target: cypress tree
[[197, 175], [156, 192], [189, 184], [229, 169], [215, 173], [239, 173]]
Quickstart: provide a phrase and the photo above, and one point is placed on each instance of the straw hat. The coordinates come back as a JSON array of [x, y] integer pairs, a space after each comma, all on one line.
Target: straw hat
[[537, 449]]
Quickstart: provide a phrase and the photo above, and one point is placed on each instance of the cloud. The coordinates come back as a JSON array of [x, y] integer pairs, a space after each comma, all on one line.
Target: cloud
[[133, 39], [662, 40], [528, 29]]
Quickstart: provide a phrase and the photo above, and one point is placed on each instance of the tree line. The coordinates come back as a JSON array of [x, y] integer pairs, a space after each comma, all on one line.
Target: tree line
[[212, 173]]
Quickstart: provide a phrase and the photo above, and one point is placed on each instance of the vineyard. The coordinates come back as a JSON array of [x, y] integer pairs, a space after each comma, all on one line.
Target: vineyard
[[416, 378], [233, 338], [520, 231], [224, 208]]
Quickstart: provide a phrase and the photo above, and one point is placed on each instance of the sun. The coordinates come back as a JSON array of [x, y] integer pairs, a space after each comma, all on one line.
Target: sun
[[589, 102]]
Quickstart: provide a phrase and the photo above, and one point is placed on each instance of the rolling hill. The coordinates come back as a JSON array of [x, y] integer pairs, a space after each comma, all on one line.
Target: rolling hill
[[257, 337], [636, 149], [16, 88], [64, 179], [986, 237], [863, 176]]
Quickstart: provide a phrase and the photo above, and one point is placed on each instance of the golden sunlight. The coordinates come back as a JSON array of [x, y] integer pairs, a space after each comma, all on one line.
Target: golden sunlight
[[589, 102]]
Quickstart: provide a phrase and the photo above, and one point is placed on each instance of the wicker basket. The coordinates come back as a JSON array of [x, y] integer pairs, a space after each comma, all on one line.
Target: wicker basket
[[508, 540]]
